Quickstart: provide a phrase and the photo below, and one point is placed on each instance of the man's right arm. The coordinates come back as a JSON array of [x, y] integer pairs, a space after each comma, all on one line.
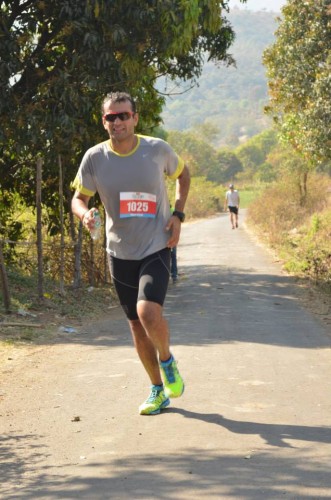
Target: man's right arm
[[225, 202], [79, 207]]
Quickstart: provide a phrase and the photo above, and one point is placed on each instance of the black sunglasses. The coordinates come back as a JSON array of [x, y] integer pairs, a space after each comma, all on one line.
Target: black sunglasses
[[123, 116]]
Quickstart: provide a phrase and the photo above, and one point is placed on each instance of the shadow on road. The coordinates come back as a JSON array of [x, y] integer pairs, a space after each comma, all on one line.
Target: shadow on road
[[149, 475], [272, 434], [213, 305]]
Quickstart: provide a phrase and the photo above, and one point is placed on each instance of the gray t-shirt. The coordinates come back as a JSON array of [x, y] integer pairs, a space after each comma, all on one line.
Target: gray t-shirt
[[232, 198], [133, 191]]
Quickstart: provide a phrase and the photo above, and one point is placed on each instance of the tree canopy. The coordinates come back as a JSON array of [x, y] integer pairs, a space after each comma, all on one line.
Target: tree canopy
[[299, 68], [58, 59]]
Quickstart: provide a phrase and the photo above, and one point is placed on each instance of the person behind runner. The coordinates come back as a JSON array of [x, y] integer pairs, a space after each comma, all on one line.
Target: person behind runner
[[173, 261], [127, 171], [173, 265], [231, 202]]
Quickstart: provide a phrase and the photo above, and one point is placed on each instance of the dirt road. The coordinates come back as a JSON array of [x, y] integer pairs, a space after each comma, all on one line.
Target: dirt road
[[253, 423]]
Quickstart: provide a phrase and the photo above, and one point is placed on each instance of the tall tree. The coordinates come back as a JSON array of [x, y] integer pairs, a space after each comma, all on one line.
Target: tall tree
[[298, 68]]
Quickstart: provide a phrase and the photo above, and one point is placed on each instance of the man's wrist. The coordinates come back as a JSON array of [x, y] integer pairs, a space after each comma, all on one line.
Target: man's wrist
[[83, 216], [179, 215]]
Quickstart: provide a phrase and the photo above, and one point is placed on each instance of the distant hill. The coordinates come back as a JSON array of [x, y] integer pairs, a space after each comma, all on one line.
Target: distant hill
[[230, 98]]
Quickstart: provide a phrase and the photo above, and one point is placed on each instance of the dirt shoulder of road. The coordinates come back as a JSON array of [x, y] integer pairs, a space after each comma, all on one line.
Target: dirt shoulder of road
[[43, 324]]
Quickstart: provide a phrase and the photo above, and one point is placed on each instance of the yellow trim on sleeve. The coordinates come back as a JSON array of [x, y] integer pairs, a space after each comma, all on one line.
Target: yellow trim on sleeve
[[179, 169], [80, 188]]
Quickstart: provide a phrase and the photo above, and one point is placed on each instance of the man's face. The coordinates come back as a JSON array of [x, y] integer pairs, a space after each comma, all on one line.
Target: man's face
[[120, 129]]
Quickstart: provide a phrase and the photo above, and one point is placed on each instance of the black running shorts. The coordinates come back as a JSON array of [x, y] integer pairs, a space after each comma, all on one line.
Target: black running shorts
[[145, 279], [234, 210]]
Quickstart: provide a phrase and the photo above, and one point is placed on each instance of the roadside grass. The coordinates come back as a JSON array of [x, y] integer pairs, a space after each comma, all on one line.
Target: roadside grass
[[300, 233], [308, 249]]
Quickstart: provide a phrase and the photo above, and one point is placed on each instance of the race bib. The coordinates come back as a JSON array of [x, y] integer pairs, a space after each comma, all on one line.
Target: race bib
[[137, 205]]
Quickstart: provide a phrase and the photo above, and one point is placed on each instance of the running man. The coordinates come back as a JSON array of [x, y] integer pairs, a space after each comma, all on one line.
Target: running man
[[127, 171], [231, 202]]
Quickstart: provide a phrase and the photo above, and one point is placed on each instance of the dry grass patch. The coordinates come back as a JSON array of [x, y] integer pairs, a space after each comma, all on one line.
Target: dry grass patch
[[299, 232]]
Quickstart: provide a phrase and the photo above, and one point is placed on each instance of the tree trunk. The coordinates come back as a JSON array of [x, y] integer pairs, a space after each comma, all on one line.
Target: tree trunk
[[72, 227], [303, 188], [4, 279], [78, 258], [62, 291], [39, 231]]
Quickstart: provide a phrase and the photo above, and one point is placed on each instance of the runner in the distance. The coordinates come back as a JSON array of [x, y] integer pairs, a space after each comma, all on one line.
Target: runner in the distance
[[231, 202]]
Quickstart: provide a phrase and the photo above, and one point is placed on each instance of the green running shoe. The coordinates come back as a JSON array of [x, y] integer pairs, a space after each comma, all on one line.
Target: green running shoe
[[156, 401], [173, 382]]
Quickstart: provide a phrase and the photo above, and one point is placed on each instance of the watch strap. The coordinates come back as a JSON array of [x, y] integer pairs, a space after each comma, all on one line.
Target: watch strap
[[180, 215]]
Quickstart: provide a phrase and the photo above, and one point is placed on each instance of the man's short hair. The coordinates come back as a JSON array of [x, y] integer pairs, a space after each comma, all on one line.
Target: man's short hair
[[118, 97]]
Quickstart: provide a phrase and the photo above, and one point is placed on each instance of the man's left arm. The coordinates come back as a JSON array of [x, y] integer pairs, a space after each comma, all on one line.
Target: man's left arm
[[182, 188]]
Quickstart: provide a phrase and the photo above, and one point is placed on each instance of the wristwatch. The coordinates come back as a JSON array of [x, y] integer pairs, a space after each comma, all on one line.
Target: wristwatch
[[180, 215]]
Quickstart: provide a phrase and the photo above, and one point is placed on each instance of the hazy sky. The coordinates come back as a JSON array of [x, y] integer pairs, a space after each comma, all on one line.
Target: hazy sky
[[273, 5]]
